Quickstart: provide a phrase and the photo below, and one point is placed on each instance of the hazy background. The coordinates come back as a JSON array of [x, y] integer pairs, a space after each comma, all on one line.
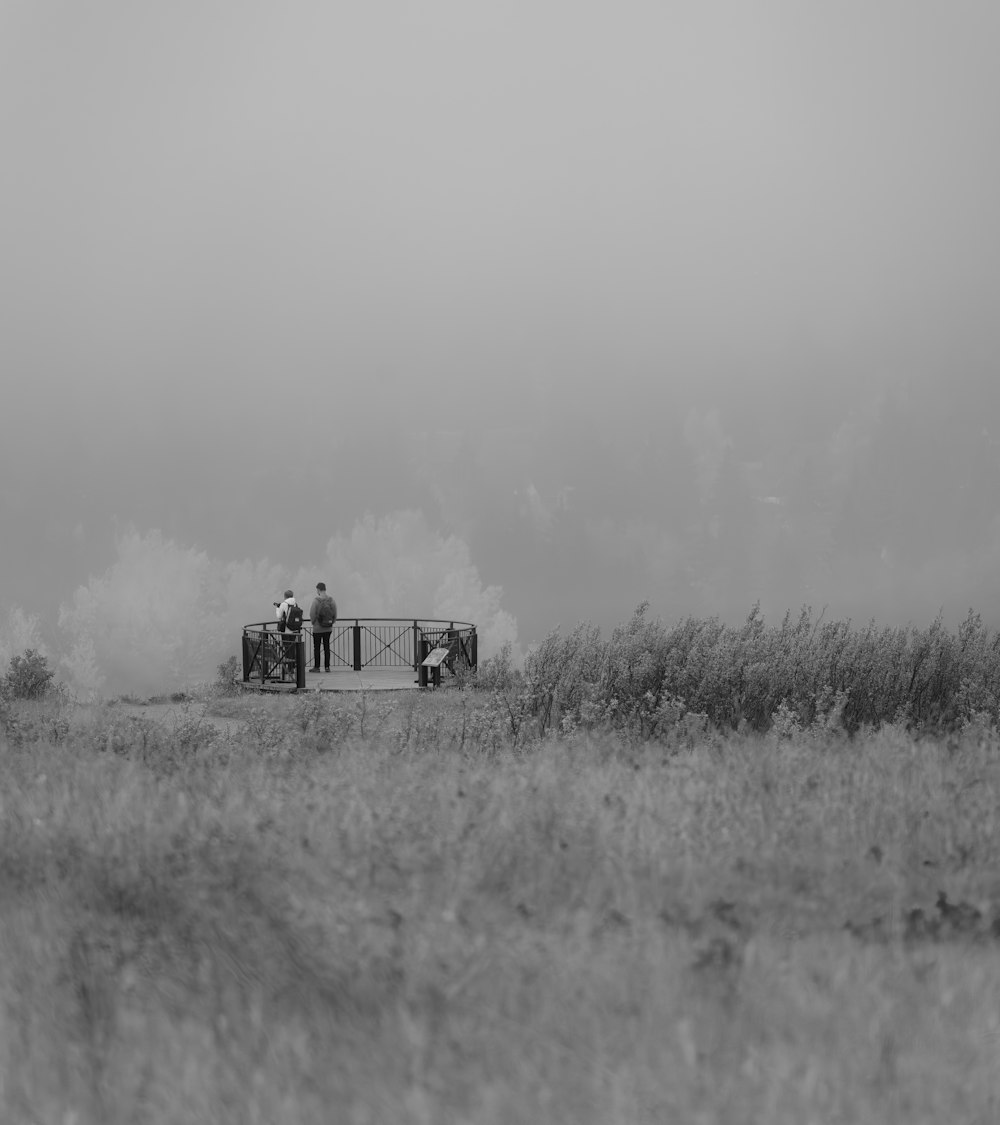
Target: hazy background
[[528, 310]]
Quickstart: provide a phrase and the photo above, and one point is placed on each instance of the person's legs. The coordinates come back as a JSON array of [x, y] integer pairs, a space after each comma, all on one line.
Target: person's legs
[[326, 652], [317, 640]]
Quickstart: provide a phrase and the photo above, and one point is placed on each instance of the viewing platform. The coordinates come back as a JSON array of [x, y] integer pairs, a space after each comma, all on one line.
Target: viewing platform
[[366, 654]]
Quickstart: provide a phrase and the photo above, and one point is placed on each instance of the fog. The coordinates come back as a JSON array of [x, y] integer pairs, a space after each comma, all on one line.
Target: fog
[[530, 312]]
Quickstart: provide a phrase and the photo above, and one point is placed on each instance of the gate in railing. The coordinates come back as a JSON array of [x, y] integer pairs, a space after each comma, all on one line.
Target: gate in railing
[[356, 643]]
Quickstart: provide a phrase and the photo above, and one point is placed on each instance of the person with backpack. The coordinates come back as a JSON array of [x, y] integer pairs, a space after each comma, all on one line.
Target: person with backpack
[[323, 615], [289, 614]]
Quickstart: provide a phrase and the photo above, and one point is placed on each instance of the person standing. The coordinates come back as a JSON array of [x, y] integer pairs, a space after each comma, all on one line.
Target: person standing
[[290, 621], [323, 615], [281, 609]]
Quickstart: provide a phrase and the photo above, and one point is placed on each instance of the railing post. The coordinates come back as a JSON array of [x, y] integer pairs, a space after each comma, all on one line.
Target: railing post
[[357, 647], [416, 647], [246, 657], [475, 648], [300, 661], [263, 655]]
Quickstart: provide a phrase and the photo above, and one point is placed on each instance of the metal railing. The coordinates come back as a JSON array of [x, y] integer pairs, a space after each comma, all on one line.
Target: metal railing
[[356, 643], [271, 657]]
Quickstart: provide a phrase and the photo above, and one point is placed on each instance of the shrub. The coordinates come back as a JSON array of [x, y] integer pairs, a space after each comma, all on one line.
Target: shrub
[[226, 673], [497, 673], [28, 677]]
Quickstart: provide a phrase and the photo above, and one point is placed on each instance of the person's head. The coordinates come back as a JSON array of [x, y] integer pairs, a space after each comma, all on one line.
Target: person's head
[[320, 587], [289, 594]]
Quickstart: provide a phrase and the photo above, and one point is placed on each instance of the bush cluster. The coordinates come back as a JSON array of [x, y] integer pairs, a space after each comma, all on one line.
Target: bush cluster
[[648, 678], [28, 677]]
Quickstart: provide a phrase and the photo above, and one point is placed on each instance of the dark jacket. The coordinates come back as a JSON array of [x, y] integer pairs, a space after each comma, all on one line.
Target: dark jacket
[[316, 608]]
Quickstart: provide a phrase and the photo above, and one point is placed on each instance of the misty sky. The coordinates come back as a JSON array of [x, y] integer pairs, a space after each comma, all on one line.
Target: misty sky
[[688, 302]]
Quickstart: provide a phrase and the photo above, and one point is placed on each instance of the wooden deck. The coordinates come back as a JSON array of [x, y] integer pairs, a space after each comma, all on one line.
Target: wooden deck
[[368, 679], [346, 679]]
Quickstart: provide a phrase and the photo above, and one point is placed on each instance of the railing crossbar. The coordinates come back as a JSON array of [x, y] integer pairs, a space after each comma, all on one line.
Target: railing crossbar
[[387, 646]]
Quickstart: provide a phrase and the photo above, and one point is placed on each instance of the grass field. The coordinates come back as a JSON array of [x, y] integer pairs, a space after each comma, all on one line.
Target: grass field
[[361, 910]]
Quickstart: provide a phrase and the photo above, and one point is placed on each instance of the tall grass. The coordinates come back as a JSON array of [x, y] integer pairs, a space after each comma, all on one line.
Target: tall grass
[[648, 676], [309, 910]]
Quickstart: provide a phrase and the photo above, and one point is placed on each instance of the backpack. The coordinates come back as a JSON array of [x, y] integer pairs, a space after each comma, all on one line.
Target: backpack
[[327, 613], [293, 618]]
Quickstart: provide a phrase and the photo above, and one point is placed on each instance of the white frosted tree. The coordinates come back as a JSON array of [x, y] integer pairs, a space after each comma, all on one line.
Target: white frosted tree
[[153, 623]]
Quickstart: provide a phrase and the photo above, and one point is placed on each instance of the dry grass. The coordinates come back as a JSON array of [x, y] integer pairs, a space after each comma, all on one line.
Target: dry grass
[[325, 915]]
